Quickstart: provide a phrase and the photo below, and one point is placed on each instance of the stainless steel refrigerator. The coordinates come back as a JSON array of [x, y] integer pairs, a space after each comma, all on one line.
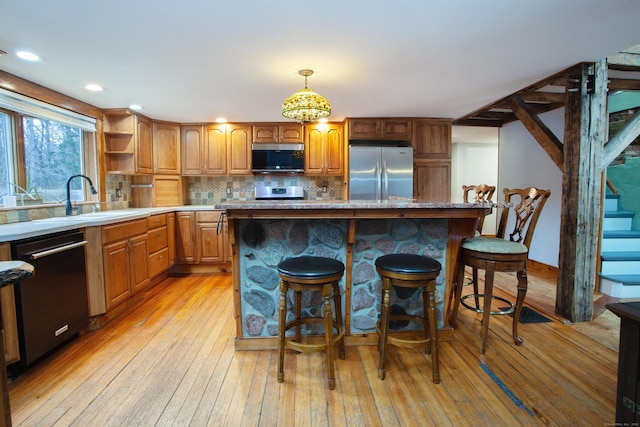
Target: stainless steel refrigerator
[[380, 173]]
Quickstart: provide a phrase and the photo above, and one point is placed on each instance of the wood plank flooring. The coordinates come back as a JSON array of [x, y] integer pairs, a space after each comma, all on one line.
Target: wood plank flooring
[[170, 361]]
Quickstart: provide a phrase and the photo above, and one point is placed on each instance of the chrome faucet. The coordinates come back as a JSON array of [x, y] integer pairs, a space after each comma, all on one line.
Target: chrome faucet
[[93, 191]]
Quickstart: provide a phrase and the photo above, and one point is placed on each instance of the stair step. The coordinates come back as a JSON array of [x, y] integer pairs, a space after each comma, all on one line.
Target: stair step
[[609, 195], [620, 262], [621, 256], [618, 214], [620, 240], [617, 220], [620, 234], [620, 285]]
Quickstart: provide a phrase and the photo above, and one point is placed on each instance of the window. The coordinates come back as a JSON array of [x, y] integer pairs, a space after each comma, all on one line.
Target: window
[[48, 146]]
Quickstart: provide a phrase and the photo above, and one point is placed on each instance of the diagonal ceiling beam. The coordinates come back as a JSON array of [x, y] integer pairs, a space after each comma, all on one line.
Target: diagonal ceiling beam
[[547, 140], [618, 143]]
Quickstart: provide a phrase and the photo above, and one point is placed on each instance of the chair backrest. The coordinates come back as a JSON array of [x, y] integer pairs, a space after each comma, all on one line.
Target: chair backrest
[[527, 205], [481, 193]]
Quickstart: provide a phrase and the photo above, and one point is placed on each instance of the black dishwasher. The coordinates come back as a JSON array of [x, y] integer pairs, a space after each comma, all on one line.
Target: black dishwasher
[[51, 306]]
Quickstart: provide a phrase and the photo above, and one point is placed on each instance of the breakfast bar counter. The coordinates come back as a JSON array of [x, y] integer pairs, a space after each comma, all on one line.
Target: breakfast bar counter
[[263, 233]]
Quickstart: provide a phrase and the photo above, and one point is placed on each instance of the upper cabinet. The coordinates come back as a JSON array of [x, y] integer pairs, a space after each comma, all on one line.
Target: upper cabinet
[[432, 138], [324, 149], [217, 149], [432, 159], [166, 148], [290, 133], [127, 143], [391, 128]]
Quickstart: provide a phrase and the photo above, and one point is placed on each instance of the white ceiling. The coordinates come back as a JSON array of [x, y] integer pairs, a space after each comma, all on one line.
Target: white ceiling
[[196, 60]]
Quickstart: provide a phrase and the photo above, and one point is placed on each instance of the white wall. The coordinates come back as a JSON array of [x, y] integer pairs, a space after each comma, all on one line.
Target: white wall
[[523, 163], [475, 163]]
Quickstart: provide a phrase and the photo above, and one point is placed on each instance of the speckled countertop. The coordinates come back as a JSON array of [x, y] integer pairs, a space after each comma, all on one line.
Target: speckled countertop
[[23, 230]]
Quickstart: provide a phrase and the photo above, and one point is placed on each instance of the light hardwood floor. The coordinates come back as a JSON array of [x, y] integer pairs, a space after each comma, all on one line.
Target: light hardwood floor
[[170, 361]]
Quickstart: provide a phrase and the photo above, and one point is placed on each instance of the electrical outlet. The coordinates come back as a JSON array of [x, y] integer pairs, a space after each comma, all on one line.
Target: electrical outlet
[[324, 188], [228, 190], [118, 192]]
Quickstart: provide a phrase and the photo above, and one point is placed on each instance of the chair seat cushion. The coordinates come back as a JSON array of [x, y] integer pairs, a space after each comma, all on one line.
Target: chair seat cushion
[[408, 264], [494, 246], [310, 267]]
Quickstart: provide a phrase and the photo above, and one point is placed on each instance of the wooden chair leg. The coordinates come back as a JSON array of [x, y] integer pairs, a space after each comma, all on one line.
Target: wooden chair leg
[[476, 291], [282, 320], [328, 335], [297, 296], [385, 311], [522, 291], [337, 304], [488, 297], [433, 335]]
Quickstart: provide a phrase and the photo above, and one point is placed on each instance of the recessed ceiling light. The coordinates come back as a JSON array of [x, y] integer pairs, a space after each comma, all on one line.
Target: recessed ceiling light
[[27, 56], [221, 120], [135, 107], [93, 87]]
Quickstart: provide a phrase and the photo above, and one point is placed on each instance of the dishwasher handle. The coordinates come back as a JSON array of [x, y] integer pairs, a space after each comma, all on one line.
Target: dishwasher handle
[[57, 250]]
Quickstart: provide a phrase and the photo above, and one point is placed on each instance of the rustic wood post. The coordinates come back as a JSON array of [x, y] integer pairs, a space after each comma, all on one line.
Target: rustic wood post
[[584, 137]]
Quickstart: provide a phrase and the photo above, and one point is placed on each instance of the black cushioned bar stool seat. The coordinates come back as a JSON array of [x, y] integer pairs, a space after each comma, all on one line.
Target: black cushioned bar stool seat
[[409, 271], [315, 274]]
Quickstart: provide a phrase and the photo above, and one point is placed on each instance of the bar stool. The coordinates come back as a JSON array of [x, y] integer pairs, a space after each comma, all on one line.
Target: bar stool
[[501, 254], [409, 271], [315, 274]]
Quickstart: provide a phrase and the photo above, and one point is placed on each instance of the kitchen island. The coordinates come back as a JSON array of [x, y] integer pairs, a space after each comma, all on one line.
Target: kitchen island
[[262, 233]]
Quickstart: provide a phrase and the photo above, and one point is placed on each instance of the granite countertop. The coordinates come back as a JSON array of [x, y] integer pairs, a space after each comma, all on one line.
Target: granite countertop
[[345, 204]]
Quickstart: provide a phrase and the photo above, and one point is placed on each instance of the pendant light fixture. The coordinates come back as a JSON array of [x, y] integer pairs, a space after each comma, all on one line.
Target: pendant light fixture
[[305, 105]]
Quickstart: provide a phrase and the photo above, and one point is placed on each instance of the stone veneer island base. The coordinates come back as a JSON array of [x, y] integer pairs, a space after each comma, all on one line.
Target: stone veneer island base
[[263, 233]]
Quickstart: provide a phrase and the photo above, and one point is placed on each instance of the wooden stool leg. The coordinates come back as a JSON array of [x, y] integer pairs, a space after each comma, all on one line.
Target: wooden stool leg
[[337, 303], [476, 291], [457, 292], [297, 296], [425, 316], [522, 291], [328, 334], [282, 320], [433, 332], [385, 311], [488, 297]]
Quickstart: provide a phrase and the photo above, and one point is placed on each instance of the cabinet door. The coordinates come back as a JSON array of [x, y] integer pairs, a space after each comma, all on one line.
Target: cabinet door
[[291, 133], [139, 259], [396, 129], [239, 150], [211, 245], [432, 138], [166, 148], [191, 152], [365, 128], [314, 151], [215, 150], [117, 272], [185, 237], [144, 147], [432, 180], [171, 238], [265, 133], [334, 150]]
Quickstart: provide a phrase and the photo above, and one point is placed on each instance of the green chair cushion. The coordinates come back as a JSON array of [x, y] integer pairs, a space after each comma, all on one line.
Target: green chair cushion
[[493, 245]]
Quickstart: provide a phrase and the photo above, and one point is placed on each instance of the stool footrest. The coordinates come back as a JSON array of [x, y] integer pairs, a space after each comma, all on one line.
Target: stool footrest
[[306, 347], [509, 310], [402, 339]]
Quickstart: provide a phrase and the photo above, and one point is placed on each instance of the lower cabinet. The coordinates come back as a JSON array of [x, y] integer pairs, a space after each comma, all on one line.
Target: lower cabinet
[[125, 257], [202, 238], [158, 240]]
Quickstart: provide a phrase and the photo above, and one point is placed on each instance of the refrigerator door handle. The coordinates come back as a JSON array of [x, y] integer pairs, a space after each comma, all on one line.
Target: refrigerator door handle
[[385, 181], [379, 181]]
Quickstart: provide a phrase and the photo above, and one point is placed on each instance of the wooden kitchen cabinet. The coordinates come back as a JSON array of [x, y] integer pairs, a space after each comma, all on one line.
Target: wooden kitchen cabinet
[[9, 315], [125, 260], [157, 190], [198, 241], [216, 149], [128, 147], [391, 128], [432, 159], [158, 244], [288, 133], [185, 237], [324, 149], [432, 139], [166, 148], [171, 238]]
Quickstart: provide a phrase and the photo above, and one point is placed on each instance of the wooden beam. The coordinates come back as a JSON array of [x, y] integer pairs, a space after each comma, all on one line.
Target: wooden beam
[[618, 143], [624, 84], [547, 140], [584, 136]]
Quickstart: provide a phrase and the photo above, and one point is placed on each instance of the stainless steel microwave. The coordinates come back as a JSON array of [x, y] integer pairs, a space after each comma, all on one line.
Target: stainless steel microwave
[[277, 158]]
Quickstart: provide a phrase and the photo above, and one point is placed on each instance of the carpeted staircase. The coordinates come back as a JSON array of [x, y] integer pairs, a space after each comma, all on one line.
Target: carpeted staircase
[[620, 252]]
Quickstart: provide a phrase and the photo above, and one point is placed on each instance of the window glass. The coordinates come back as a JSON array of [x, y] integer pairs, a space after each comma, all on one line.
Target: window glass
[[6, 163], [53, 153]]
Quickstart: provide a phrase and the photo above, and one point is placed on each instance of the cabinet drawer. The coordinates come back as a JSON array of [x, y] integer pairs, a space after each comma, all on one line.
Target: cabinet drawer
[[158, 262], [157, 239], [155, 221], [123, 230], [208, 216]]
